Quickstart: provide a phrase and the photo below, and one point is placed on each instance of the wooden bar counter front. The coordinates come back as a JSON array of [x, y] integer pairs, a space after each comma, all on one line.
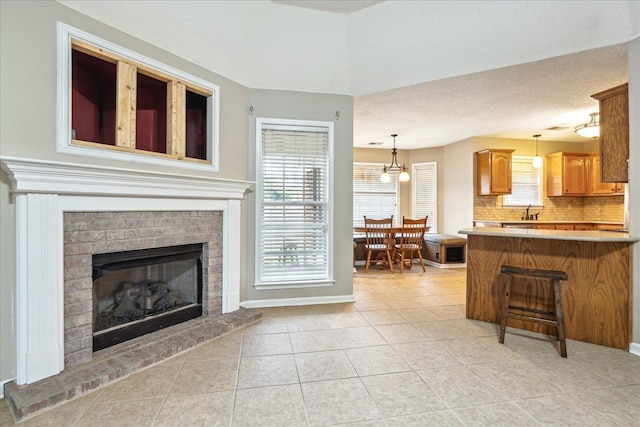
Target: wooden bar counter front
[[596, 297]]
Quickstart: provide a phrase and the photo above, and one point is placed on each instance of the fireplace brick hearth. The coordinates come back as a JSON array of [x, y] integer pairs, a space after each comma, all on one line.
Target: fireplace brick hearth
[[121, 360]]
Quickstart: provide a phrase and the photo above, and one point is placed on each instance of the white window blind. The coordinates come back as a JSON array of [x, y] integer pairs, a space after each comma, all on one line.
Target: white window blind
[[526, 183], [425, 196], [293, 177], [371, 197]]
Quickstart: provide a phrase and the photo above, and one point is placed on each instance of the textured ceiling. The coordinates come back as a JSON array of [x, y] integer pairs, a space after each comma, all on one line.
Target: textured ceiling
[[434, 72], [337, 6], [509, 102]]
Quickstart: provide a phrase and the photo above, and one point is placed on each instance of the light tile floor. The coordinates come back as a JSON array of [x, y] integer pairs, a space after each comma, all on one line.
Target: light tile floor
[[402, 355]]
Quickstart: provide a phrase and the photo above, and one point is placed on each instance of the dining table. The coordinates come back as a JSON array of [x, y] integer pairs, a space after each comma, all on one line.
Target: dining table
[[395, 232]]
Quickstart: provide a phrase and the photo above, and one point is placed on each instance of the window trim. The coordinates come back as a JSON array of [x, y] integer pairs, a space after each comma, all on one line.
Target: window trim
[[414, 182], [540, 203], [65, 36], [380, 166], [290, 284]]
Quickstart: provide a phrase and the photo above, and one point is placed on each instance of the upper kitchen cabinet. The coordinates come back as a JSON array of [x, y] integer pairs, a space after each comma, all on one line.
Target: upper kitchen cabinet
[[493, 172], [614, 133], [596, 186], [567, 174]]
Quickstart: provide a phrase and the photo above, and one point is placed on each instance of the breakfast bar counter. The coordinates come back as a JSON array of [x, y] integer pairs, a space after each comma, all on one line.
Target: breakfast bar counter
[[596, 296]]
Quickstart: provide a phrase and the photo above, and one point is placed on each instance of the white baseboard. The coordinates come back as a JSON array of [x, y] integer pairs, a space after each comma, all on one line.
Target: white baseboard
[[438, 265], [2, 383], [427, 262], [634, 348], [284, 302]]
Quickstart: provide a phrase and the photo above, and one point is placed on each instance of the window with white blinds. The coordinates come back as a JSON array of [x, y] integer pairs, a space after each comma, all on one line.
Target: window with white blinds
[[294, 204], [526, 183], [425, 193], [371, 197]]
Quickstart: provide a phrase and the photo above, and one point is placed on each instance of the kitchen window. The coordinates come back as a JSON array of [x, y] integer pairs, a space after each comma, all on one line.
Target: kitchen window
[[371, 197], [294, 203], [526, 187]]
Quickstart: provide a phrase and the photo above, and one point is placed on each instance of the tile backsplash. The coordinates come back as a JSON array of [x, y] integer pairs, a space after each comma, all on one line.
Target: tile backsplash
[[603, 208]]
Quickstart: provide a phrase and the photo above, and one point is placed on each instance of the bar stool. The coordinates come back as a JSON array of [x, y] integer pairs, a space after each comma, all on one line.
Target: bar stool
[[552, 318]]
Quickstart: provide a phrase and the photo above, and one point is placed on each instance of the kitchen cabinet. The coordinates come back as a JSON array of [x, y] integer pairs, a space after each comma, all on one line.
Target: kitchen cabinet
[[493, 172], [565, 227], [584, 227], [609, 227], [549, 225], [614, 133], [567, 174], [596, 186], [544, 226]]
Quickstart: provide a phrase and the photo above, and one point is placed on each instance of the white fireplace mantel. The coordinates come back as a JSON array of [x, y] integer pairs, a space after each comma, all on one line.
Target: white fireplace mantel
[[44, 190]]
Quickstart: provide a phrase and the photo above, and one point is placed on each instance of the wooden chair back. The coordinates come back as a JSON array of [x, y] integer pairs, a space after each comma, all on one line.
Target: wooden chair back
[[413, 232], [378, 233]]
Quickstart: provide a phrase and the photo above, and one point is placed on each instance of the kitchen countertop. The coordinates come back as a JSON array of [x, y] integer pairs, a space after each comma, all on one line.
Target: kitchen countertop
[[597, 294], [586, 236]]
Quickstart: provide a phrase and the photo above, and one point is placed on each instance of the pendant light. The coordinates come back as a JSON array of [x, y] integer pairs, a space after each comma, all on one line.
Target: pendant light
[[394, 166], [537, 160]]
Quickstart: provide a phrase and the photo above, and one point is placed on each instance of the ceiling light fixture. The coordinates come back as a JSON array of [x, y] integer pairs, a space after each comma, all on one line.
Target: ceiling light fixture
[[591, 129], [394, 166], [537, 160]]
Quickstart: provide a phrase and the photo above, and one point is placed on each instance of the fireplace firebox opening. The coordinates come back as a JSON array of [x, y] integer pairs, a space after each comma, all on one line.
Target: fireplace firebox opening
[[141, 291]]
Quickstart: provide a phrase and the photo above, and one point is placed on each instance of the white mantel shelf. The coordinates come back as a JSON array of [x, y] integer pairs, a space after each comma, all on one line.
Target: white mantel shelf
[[42, 176], [44, 190]]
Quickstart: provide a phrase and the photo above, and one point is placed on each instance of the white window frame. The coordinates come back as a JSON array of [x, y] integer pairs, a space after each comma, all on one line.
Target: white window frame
[[284, 282], [432, 221], [63, 134], [379, 167], [507, 200]]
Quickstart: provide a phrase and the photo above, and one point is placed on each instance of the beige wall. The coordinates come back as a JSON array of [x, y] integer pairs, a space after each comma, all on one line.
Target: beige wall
[[319, 107], [407, 157], [28, 117]]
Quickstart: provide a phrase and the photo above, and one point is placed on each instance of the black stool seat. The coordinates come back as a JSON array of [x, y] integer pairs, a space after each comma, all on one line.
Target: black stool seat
[[552, 318]]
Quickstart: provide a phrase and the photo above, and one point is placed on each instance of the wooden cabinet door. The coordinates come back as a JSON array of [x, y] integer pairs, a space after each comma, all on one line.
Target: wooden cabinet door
[[583, 227], [565, 227], [544, 226], [493, 172], [574, 174], [614, 133], [501, 173], [554, 174], [596, 186]]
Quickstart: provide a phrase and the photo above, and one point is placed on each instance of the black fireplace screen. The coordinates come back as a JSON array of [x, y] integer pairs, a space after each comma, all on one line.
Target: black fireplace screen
[[137, 292]]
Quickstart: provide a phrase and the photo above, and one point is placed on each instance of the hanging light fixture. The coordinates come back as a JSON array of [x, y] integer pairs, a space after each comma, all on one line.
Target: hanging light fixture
[[591, 129], [394, 166], [537, 160]]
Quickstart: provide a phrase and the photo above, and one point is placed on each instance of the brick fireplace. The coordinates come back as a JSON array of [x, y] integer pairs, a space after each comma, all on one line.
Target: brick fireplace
[[100, 233], [53, 201]]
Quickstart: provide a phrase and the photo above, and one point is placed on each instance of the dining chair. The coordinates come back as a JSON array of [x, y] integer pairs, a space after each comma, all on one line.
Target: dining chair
[[379, 240], [411, 241]]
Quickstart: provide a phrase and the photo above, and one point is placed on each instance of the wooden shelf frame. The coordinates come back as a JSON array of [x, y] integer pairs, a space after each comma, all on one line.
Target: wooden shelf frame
[[180, 131]]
